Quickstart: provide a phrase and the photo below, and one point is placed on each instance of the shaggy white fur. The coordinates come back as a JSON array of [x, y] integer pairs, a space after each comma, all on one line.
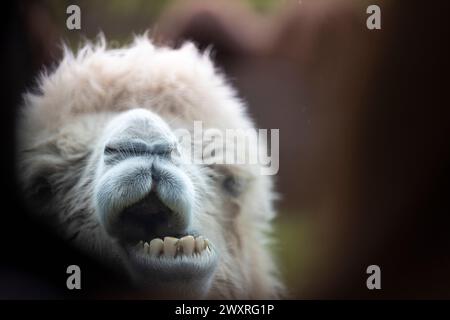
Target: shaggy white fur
[[76, 172]]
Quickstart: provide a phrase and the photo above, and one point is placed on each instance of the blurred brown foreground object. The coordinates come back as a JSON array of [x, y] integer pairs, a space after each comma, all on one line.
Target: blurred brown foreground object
[[364, 138]]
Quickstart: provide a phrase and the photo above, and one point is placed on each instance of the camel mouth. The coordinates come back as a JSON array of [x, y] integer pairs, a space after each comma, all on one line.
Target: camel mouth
[[172, 267], [168, 258], [173, 248]]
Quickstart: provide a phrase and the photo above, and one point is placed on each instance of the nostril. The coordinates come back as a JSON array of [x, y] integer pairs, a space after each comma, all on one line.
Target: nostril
[[144, 220], [163, 149], [138, 148], [127, 148]]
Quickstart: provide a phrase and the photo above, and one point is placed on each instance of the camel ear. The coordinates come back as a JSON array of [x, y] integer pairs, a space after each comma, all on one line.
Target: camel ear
[[222, 26]]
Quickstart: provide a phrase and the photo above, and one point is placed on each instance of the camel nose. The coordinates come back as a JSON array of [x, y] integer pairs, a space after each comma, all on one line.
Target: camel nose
[[163, 210]]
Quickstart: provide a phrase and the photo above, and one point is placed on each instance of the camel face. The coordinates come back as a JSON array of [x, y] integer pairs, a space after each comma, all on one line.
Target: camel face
[[100, 160], [146, 198]]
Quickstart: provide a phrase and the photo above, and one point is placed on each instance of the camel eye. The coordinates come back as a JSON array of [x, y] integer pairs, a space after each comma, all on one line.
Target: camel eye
[[40, 190], [232, 185]]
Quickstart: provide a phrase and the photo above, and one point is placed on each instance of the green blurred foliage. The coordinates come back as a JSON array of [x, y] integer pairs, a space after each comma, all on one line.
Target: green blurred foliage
[[292, 248]]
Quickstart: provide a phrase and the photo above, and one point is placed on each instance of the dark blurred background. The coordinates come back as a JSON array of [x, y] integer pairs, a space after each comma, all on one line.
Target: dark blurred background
[[364, 134]]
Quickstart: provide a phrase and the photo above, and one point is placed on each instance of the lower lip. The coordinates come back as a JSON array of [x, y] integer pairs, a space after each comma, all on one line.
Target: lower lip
[[156, 269]]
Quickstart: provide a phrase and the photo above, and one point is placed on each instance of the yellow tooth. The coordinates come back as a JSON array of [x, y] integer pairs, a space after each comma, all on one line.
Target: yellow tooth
[[207, 244], [170, 247], [146, 247], [156, 246], [188, 245], [199, 244]]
